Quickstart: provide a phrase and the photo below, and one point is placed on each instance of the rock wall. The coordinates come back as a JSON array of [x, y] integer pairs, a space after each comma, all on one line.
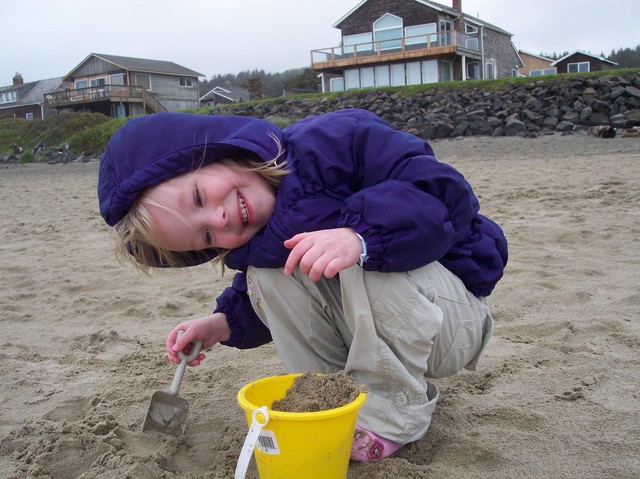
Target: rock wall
[[559, 104]]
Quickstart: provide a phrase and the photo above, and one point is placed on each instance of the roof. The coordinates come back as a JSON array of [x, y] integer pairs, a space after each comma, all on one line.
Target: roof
[[231, 93], [142, 65], [580, 52], [524, 52], [436, 6], [31, 93]]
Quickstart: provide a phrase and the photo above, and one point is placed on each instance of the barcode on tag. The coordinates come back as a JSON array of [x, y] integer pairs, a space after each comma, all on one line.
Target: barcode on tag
[[267, 443]]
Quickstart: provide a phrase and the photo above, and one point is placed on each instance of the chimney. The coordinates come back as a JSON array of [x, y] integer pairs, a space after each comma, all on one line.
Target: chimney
[[17, 80], [457, 6]]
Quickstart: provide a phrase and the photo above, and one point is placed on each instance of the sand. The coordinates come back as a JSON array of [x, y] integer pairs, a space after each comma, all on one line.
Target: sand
[[557, 393]]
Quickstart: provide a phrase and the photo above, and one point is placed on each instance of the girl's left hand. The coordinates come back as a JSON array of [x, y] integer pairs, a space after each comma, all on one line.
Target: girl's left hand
[[323, 253]]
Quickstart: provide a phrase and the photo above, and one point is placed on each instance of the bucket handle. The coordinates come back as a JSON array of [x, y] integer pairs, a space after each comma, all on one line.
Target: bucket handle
[[251, 440]]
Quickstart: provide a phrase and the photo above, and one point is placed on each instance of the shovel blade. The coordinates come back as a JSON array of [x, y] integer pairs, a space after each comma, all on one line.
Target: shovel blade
[[166, 413]]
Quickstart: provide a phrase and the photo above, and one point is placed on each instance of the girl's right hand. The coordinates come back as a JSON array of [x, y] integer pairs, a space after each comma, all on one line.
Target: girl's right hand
[[210, 330]]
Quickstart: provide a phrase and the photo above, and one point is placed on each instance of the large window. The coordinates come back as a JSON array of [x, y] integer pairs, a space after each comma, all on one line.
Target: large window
[[413, 73], [387, 30], [362, 40], [80, 84], [546, 71], [421, 34], [97, 82], [8, 97], [580, 67], [352, 79], [397, 75], [382, 75]]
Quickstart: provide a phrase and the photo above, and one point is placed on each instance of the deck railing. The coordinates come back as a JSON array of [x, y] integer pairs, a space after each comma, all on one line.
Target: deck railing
[[426, 44], [124, 93]]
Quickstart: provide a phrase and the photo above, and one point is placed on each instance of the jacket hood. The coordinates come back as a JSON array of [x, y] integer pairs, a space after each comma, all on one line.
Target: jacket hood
[[151, 149]]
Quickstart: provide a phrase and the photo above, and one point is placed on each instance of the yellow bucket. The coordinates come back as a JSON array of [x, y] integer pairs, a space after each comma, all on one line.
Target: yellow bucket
[[296, 445]]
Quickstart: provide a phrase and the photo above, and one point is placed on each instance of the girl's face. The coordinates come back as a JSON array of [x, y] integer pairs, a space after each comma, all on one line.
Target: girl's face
[[212, 207]]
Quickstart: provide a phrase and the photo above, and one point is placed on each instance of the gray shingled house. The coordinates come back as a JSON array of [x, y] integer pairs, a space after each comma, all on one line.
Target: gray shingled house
[[409, 42], [26, 100], [123, 86]]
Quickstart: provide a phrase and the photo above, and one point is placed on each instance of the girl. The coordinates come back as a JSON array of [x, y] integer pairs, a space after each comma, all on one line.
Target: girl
[[356, 249]]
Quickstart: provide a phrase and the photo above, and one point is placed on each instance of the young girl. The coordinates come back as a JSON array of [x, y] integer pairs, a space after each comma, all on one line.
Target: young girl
[[356, 249]]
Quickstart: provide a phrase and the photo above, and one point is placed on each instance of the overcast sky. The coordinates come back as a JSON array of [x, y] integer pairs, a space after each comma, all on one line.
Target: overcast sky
[[48, 38]]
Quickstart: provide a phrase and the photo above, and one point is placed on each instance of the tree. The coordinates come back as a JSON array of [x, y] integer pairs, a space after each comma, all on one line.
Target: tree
[[254, 85]]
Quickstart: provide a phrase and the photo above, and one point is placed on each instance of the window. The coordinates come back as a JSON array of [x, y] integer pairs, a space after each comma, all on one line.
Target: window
[[473, 71], [470, 29], [413, 73], [362, 40], [387, 30], [546, 71], [352, 79], [382, 75], [366, 78], [397, 75], [336, 84], [117, 79], [8, 97], [446, 35], [490, 70], [80, 84], [97, 82], [29, 116], [430, 71], [446, 70], [420, 34], [186, 82], [580, 67]]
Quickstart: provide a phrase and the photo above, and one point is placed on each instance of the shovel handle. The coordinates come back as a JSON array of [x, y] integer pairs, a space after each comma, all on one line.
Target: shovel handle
[[184, 360], [195, 350]]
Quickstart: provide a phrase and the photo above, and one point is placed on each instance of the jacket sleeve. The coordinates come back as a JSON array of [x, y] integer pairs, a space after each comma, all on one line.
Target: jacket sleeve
[[247, 330], [408, 207]]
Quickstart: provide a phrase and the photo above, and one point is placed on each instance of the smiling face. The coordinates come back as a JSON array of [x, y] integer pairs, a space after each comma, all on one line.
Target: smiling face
[[215, 206]]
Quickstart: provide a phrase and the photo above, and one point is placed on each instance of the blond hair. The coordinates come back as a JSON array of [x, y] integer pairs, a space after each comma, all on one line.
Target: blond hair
[[134, 233]]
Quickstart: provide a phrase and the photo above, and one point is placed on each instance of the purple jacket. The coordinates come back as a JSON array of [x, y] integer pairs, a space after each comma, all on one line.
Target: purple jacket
[[348, 168]]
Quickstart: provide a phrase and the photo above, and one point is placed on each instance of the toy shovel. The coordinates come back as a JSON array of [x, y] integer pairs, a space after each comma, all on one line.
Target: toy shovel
[[167, 411]]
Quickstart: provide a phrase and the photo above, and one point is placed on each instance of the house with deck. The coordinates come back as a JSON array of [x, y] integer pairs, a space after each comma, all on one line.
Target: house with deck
[[119, 86], [26, 100], [409, 42]]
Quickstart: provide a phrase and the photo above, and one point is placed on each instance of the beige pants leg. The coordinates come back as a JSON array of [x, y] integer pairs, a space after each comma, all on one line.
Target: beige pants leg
[[388, 331]]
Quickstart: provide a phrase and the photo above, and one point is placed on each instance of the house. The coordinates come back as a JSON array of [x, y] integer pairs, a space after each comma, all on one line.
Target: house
[[536, 65], [26, 100], [226, 94], [582, 62], [122, 86], [408, 42]]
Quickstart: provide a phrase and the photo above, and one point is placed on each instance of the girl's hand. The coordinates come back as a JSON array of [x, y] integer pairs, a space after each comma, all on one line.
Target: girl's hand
[[210, 330], [324, 252]]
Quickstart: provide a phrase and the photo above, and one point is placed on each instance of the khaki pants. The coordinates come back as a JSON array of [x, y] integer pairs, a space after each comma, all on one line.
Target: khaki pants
[[389, 331]]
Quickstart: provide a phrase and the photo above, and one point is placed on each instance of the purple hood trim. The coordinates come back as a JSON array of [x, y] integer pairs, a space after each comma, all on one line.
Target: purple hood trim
[[151, 149]]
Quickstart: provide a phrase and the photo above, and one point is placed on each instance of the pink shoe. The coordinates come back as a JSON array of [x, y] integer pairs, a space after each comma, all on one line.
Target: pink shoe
[[369, 447]]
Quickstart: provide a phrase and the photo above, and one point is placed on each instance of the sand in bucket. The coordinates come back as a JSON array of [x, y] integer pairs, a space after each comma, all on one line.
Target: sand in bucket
[[297, 445]]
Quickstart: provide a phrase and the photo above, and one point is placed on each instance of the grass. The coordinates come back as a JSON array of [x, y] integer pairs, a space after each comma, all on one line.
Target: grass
[[89, 132]]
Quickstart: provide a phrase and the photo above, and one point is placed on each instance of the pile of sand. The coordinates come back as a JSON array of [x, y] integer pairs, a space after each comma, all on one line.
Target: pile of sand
[[557, 393]]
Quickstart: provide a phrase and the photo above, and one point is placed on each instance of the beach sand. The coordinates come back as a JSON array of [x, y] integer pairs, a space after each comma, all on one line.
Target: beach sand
[[557, 393]]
